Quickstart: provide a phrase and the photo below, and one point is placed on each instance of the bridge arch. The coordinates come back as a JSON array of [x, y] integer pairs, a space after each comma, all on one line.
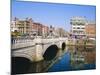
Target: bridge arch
[[20, 65], [50, 52], [63, 46]]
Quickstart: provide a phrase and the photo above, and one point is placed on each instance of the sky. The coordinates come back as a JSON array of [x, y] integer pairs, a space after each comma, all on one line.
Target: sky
[[55, 14]]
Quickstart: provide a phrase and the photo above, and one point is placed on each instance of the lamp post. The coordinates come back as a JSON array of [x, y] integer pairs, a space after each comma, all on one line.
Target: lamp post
[[51, 30]]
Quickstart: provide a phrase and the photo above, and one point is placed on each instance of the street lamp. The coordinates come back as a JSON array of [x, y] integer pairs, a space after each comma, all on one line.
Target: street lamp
[[51, 30]]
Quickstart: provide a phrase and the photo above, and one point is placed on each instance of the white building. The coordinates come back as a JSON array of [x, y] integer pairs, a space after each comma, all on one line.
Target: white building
[[13, 26], [22, 26], [78, 27]]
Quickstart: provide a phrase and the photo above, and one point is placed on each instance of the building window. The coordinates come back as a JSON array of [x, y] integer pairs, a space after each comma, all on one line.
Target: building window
[[82, 28], [78, 27]]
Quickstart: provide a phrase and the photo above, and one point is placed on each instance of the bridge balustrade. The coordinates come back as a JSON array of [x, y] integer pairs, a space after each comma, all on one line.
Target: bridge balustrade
[[21, 40]]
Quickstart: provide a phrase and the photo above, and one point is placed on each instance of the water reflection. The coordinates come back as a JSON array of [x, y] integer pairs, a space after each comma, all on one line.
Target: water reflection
[[81, 56], [19, 66], [72, 58]]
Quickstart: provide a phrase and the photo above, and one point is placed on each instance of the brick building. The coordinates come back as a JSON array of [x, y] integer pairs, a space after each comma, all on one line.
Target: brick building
[[90, 30], [40, 29]]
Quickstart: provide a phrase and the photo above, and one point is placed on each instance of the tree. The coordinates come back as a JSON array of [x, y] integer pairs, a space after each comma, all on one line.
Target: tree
[[15, 33]]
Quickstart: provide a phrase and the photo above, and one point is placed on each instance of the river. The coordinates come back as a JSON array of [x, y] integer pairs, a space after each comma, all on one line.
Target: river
[[72, 58], [76, 58]]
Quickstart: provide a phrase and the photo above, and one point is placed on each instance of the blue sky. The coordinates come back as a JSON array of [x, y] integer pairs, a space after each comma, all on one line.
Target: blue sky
[[57, 15]]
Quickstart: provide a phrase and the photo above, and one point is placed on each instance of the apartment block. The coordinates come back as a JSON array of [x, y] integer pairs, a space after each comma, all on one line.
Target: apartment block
[[78, 26], [24, 27]]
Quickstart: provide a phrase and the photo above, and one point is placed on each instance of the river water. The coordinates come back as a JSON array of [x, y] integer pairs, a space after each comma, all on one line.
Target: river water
[[76, 58], [72, 58]]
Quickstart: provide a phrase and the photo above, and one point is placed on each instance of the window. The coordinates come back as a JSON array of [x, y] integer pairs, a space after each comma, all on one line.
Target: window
[[78, 27], [82, 28]]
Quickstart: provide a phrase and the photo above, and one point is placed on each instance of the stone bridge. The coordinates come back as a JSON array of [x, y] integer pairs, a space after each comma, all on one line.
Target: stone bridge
[[38, 49]]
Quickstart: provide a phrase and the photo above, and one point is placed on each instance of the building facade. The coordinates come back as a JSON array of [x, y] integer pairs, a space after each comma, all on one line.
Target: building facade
[[45, 31], [13, 26], [78, 26], [37, 28], [29, 27], [40, 29], [90, 30], [24, 27]]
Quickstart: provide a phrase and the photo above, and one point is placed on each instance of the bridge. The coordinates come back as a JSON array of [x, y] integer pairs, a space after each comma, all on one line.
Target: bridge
[[37, 49], [25, 52]]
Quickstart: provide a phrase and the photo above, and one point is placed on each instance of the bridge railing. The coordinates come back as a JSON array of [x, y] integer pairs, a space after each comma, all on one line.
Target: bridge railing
[[26, 42], [21, 40]]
